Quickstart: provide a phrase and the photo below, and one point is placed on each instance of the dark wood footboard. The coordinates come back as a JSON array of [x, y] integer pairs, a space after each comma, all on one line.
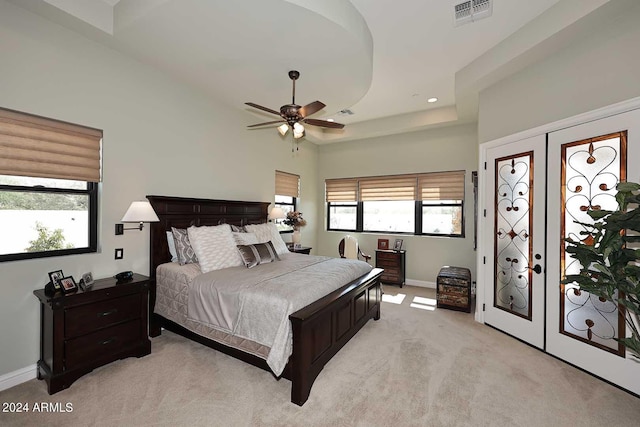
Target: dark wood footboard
[[325, 326]]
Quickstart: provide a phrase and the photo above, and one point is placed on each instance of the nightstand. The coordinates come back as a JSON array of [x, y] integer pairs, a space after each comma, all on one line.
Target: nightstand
[[301, 250], [88, 329], [393, 263]]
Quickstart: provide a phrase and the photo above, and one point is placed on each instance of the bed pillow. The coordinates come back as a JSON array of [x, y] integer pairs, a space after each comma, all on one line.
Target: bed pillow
[[172, 246], [245, 238], [215, 247], [184, 250], [260, 253], [268, 232]]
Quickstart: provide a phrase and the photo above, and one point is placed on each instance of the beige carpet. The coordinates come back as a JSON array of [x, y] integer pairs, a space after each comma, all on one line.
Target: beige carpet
[[413, 367]]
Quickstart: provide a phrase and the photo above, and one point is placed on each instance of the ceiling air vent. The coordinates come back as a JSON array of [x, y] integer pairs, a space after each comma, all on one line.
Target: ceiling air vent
[[471, 10]]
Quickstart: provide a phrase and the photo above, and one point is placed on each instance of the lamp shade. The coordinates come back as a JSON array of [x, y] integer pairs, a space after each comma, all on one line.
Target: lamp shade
[[277, 213], [140, 212], [283, 128]]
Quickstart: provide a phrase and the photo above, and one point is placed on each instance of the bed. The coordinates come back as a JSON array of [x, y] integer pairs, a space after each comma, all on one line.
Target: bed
[[319, 329]]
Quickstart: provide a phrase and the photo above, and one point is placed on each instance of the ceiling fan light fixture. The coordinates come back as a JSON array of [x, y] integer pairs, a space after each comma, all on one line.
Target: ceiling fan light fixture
[[283, 128], [298, 130]]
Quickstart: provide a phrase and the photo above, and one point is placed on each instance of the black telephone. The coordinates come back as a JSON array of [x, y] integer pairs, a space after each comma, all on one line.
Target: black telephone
[[125, 275]]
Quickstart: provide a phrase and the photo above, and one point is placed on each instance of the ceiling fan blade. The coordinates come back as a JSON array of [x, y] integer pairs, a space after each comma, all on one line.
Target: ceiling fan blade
[[266, 123], [309, 109], [260, 107], [323, 123]]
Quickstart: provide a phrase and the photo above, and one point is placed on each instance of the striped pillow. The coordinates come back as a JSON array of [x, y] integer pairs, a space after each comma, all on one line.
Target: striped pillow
[[260, 253]]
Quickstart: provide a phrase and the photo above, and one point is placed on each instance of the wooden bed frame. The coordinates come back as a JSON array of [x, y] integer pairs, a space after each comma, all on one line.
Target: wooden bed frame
[[319, 329]]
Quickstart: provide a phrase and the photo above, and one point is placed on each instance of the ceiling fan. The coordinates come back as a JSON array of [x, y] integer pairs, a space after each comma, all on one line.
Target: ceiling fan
[[293, 115]]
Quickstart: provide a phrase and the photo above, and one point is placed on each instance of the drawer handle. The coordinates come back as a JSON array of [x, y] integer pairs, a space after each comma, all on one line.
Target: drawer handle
[[108, 313], [109, 341]]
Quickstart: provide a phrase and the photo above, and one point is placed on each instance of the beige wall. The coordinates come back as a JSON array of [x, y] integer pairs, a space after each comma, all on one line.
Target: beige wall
[[597, 70], [160, 137], [450, 148]]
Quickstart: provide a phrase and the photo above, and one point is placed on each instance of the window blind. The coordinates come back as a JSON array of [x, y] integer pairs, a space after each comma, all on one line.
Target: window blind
[[46, 148], [287, 184], [388, 188], [433, 186], [341, 190], [441, 186]]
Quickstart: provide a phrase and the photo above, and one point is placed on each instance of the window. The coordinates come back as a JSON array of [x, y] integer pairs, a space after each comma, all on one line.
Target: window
[[49, 174], [287, 194], [421, 204]]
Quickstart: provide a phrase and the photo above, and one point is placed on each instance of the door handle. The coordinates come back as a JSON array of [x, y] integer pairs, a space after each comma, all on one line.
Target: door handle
[[537, 268]]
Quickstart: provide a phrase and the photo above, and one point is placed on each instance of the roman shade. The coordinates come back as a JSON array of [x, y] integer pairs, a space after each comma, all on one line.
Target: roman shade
[[388, 188], [40, 147], [341, 190], [287, 184], [426, 187], [441, 186]]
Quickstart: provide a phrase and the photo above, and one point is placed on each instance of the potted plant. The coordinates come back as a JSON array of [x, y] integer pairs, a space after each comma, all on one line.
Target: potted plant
[[610, 267]]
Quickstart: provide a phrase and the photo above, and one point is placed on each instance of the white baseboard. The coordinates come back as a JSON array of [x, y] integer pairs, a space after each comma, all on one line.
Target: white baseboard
[[420, 283], [18, 377]]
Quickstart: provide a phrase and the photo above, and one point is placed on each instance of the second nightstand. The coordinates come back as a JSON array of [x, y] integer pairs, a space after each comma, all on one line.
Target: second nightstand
[[394, 266], [301, 250]]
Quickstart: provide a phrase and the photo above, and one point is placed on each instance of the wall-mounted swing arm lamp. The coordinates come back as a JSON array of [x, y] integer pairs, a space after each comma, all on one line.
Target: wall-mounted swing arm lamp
[[138, 212]]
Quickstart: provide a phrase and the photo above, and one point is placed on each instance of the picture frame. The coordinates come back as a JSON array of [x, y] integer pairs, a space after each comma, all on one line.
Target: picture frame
[[383, 244], [397, 246], [54, 278], [68, 284], [88, 279]]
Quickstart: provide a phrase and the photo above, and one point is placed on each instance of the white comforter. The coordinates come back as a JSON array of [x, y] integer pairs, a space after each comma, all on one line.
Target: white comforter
[[256, 303]]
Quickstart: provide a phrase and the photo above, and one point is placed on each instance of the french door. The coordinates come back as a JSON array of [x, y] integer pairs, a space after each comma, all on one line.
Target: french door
[[538, 190], [515, 212]]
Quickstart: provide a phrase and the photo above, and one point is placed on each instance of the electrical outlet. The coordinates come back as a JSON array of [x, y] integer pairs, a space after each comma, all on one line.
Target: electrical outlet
[[119, 253]]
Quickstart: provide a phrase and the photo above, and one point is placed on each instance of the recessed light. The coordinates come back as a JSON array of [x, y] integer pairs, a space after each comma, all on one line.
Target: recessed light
[[432, 100]]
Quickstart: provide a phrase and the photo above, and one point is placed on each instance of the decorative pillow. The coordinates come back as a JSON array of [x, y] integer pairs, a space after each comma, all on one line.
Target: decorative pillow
[[172, 246], [268, 232], [245, 238], [186, 254], [215, 247], [260, 253]]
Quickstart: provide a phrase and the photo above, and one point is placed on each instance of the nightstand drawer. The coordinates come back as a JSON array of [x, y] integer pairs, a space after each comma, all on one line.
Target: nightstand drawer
[[91, 317], [101, 344]]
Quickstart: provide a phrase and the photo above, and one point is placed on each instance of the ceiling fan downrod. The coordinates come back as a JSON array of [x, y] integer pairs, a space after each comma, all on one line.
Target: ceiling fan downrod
[[293, 75]]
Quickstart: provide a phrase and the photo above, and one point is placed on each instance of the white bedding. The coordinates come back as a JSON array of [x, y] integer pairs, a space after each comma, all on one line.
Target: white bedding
[[253, 305]]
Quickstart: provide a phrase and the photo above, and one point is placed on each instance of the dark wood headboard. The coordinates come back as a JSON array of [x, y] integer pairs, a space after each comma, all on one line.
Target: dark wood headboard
[[183, 212]]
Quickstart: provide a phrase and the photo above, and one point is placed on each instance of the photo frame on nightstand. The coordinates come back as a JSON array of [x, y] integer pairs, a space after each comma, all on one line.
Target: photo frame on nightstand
[[86, 281], [397, 246], [54, 278], [383, 244], [68, 285]]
